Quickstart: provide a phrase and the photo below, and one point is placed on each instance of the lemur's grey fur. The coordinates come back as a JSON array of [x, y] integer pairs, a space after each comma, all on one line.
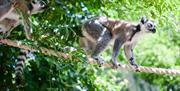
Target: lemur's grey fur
[[98, 32]]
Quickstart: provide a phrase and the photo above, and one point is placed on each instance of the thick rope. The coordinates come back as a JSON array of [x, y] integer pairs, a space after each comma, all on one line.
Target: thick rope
[[43, 50], [143, 69], [50, 52]]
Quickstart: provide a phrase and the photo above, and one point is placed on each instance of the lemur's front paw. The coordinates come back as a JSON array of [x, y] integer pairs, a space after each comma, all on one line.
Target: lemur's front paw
[[99, 61], [135, 66], [132, 62], [116, 65]]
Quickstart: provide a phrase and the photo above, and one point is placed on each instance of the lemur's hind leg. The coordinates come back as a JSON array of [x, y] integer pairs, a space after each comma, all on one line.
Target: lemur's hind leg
[[117, 45], [102, 43]]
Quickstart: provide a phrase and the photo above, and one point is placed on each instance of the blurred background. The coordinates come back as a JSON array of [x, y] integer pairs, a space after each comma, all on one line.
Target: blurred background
[[58, 28]]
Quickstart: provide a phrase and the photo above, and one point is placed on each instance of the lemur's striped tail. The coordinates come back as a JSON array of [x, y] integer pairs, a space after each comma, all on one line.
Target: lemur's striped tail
[[20, 65]]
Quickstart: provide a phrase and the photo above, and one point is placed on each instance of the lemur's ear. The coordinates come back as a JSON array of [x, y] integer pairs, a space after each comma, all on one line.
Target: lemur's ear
[[143, 20]]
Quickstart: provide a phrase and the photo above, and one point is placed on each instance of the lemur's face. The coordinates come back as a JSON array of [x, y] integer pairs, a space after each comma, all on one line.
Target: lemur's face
[[148, 25], [37, 6]]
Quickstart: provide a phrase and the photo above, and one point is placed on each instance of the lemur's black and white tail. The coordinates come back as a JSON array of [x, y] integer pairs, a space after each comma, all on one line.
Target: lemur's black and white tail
[[20, 65]]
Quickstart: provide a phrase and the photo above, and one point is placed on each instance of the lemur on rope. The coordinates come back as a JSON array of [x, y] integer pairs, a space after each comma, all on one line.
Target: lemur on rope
[[11, 18], [98, 32]]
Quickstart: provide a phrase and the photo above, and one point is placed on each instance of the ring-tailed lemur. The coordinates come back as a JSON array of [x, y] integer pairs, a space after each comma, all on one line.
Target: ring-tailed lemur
[[98, 32], [12, 19]]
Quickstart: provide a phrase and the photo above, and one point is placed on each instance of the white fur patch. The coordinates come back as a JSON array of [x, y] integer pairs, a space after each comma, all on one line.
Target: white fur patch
[[20, 62], [22, 57], [18, 67], [135, 38], [97, 22], [119, 25], [102, 33]]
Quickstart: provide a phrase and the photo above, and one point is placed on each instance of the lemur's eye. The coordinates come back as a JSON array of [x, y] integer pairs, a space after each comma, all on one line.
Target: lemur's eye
[[33, 1], [150, 25]]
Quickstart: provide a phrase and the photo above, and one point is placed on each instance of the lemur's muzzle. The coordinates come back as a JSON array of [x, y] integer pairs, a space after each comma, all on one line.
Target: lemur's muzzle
[[153, 30]]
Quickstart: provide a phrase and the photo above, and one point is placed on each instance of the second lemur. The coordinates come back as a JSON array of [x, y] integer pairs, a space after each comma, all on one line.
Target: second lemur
[[98, 32]]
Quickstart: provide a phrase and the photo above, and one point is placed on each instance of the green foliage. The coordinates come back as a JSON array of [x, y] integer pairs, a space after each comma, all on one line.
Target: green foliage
[[58, 28]]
